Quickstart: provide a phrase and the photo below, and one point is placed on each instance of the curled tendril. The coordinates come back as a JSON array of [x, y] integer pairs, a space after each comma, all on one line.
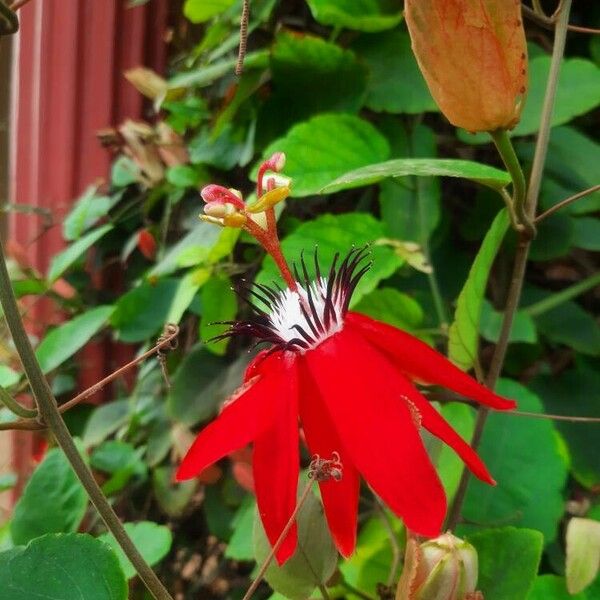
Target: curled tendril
[[322, 469]]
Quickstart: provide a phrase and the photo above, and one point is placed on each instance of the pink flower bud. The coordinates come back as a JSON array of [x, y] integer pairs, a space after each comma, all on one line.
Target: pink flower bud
[[218, 194]]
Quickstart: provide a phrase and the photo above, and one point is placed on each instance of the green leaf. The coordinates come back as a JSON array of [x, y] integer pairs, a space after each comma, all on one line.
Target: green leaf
[[187, 290], [522, 330], [325, 147], [87, 211], [183, 176], [552, 587], [240, 545], [219, 303], [62, 567], [152, 540], [53, 501], [421, 167], [333, 234], [449, 466], [508, 562], [464, 331], [199, 242], [586, 233], [122, 461], [395, 83], [65, 340], [575, 392], [410, 206], [361, 15], [124, 172], [142, 312], [199, 11], [8, 376], [554, 238], [328, 77], [314, 561], [63, 260], [526, 458], [105, 419], [172, 497], [201, 383], [571, 325], [393, 307], [583, 553]]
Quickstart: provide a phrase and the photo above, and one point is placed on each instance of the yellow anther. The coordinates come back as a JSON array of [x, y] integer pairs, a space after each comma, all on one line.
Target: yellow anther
[[269, 199], [212, 220], [237, 220]]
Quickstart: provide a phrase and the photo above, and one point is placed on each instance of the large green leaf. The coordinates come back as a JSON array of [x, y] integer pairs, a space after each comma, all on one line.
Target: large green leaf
[[105, 419], [526, 458], [395, 83], [522, 330], [64, 341], [142, 312], [62, 567], [201, 383], [333, 234], [464, 331], [583, 553], [240, 545], [362, 15], [152, 540], [575, 392], [410, 206], [53, 501], [422, 167], [313, 562], [508, 562], [219, 303], [552, 587], [325, 147], [312, 75], [198, 11], [63, 260]]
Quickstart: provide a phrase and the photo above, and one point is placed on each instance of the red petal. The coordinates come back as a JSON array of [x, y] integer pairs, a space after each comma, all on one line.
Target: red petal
[[361, 393], [420, 362], [241, 421], [340, 498], [276, 465], [438, 426]]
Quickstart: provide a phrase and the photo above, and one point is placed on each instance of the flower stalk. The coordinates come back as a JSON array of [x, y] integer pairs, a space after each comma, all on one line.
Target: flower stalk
[[49, 414]]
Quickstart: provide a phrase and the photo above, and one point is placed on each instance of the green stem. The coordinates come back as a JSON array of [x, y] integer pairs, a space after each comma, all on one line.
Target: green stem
[[534, 310], [509, 158], [15, 407], [49, 413], [522, 252]]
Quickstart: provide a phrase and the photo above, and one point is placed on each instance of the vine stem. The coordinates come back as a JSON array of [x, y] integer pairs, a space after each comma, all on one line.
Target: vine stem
[[522, 251], [49, 413], [566, 202], [277, 545]]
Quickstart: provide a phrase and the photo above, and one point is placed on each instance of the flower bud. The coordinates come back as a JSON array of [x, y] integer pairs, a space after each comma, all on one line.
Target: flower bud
[[473, 56], [218, 194], [441, 569]]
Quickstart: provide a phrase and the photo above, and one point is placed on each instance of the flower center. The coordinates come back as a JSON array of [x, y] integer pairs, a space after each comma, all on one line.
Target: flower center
[[300, 319]]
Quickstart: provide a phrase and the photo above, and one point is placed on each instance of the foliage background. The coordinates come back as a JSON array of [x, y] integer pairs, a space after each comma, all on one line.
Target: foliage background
[[335, 86]]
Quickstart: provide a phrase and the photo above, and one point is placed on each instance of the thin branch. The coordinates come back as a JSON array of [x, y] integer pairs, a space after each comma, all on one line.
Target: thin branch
[[166, 340], [568, 418], [522, 251], [48, 411], [566, 202], [15, 407], [549, 23]]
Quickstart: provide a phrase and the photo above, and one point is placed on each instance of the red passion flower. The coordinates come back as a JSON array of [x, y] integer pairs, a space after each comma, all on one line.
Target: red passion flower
[[349, 382]]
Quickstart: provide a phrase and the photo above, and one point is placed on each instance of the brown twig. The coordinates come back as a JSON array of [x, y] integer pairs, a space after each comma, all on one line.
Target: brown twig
[[566, 202], [239, 67], [165, 341], [569, 418], [549, 22]]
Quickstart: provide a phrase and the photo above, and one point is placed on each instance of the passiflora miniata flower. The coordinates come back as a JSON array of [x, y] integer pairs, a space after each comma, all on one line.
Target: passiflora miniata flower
[[349, 381], [473, 55]]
